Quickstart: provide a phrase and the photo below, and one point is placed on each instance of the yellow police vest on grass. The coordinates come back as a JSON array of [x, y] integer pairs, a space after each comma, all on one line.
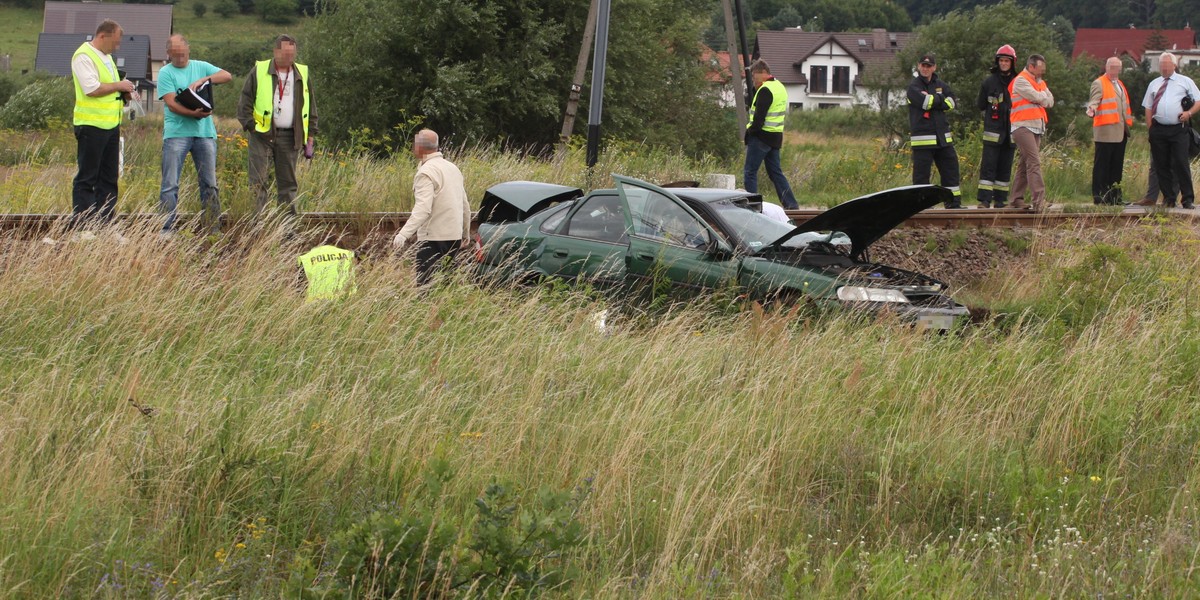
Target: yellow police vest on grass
[[330, 273], [101, 111], [264, 103], [779, 101]]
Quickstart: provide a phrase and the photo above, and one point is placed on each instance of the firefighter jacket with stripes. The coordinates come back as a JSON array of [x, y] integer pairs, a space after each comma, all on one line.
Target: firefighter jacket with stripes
[[928, 102], [995, 103]]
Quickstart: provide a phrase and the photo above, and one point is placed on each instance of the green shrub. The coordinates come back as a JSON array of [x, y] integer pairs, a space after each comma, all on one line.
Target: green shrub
[[200, 9], [225, 8], [44, 104], [423, 549]]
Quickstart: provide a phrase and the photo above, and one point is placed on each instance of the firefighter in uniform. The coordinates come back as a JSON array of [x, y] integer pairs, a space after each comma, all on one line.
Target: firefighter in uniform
[[995, 169], [932, 143]]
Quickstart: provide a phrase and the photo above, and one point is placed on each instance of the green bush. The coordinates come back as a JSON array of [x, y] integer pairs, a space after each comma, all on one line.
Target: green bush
[[200, 9], [43, 104], [423, 549], [225, 8]]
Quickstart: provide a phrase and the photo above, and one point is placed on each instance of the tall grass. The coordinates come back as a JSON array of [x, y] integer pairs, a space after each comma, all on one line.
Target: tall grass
[[175, 420]]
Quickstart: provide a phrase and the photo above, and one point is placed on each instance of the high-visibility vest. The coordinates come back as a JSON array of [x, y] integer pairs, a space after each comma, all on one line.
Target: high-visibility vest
[[1109, 111], [264, 103], [1022, 108], [778, 110], [330, 272], [104, 111]]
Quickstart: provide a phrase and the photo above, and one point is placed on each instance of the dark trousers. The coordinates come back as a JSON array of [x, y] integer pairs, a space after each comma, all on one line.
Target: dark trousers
[[1107, 172], [1169, 150], [995, 173], [94, 192], [759, 152], [432, 257], [946, 159]]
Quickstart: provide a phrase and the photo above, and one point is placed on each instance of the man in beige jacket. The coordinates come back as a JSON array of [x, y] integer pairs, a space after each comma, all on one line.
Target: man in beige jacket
[[1111, 119], [441, 217], [1028, 119]]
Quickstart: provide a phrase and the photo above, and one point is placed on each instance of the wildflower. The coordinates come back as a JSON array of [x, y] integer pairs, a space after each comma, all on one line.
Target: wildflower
[[471, 434], [220, 555], [240, 546], [1094, 479], [898, 166]]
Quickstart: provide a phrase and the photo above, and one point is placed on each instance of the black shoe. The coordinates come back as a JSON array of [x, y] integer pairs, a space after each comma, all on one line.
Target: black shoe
[[998, 205], [953, 205], [984, 205], [1169, 205], [1189, 205]]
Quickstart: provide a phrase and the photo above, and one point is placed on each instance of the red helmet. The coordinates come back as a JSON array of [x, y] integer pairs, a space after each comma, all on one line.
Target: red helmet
[[1007, 51]]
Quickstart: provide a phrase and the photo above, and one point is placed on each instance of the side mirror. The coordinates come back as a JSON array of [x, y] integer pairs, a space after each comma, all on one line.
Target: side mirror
[[715, 249]]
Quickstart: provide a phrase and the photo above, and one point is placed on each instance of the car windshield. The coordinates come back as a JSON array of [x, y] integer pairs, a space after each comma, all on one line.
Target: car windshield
[[758, 231]]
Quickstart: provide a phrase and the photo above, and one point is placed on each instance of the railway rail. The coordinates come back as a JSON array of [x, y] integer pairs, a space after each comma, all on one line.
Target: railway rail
[[374, 224]]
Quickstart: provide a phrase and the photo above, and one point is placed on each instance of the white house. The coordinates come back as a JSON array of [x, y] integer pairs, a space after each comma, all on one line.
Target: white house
[[828, 70]]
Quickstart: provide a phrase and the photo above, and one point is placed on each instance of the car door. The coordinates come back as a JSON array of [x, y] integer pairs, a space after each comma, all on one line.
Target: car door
[[591, 244], [667, 239]]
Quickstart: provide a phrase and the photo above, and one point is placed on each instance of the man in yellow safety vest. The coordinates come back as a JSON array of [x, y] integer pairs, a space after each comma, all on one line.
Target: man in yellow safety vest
[[279, 114], [764, 134], [99, 94]]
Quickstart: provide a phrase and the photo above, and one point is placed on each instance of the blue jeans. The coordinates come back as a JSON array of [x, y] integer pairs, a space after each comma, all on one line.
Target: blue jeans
[[204, 155], [756, 152]]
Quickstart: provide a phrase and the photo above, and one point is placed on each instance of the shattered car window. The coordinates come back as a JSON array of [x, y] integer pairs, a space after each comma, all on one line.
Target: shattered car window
[[758, 231]]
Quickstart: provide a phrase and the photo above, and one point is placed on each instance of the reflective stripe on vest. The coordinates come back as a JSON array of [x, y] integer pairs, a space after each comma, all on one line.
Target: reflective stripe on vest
[[778, 110], [330, 273], [100, 111], [1109, 110], [922, 140], [1023, 109], [264, 102], [991, 136]]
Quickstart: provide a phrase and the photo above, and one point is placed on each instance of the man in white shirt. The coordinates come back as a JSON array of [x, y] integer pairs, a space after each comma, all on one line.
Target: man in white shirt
[[1169, 131], [99, 102]]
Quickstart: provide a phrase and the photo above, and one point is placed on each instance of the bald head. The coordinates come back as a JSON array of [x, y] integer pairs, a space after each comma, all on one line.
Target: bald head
[[425, 143]]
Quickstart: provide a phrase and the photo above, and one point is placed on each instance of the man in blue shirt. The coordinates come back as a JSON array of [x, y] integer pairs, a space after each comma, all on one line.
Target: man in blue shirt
[[1169, 131], [188, 130]]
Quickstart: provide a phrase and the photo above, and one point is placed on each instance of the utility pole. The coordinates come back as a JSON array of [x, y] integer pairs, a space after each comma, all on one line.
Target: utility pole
[[735, 68], [577, 83], [596, 105], [737, 5]]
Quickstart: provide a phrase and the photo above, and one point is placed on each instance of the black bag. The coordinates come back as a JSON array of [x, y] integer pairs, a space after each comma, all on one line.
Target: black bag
[[1193, 142], [200, 99]]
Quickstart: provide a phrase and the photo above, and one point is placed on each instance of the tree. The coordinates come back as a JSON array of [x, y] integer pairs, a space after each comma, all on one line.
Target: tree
[[496, 71], [278, 12], [225, 8], [200, 9]]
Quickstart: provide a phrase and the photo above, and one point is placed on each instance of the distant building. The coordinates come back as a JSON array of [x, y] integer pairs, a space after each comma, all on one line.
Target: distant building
[[150, 20], [829, 70], [718, 75], [1103, 43]]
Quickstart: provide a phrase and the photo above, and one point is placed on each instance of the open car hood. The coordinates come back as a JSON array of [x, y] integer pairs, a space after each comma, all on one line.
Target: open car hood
[[516, 200], [866, 219]]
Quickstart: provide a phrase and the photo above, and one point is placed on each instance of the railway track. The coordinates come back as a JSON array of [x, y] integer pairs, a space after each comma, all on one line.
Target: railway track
[[363, 225]]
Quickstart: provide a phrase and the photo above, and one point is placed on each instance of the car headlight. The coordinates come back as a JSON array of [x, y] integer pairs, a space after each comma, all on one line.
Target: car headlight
[[854, 293]]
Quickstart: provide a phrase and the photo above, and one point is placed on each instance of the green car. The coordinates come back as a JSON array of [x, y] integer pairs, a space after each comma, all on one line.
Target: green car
[[698, 240]]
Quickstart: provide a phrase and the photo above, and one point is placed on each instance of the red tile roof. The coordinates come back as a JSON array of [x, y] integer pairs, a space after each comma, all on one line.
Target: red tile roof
[[1103, 43]]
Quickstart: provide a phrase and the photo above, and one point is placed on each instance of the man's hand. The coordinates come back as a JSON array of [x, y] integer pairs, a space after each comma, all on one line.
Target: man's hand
[[197, 83], [399, 242]]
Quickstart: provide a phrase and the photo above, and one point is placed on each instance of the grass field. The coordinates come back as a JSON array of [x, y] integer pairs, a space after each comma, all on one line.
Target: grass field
[[176, 422]]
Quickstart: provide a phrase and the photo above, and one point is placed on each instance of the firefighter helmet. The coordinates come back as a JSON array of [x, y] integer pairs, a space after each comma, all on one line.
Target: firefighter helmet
[[1007, 51]]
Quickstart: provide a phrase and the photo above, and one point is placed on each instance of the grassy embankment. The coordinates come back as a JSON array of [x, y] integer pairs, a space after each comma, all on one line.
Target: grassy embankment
[[177, 421]]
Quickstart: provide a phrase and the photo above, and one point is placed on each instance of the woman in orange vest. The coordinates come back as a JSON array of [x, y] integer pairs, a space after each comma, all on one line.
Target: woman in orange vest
[[1111, 119], [1028, 120]]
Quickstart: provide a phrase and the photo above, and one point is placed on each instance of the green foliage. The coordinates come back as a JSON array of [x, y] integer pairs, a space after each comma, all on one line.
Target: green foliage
[[428, 551], [491, 71], [226, 8], [840, 15], [199, 9], [43, 104], [277, 12]]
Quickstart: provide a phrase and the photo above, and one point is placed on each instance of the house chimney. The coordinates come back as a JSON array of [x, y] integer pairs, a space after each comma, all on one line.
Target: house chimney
[[879, 39]]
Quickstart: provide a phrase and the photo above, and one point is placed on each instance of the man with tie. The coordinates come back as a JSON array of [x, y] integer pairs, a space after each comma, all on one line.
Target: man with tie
[[1168, 122]]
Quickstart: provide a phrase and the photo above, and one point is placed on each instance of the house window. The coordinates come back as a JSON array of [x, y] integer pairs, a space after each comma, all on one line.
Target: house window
[[841, 80], [826, 105], [795, 106], [818, 80]]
